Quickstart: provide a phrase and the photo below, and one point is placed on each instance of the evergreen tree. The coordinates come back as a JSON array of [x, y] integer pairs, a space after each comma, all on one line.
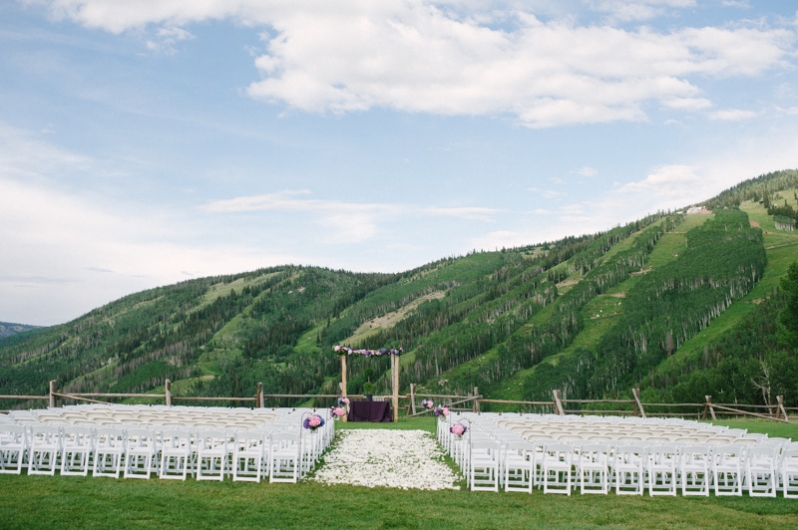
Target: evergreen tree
[[789, 317]]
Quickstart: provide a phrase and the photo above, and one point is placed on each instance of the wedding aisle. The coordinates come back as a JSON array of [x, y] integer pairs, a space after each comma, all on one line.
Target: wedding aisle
[[388, 458]]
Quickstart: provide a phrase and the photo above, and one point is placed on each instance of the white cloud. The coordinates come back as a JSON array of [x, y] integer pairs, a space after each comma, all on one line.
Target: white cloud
[[732, 115], [416, 56], [629, 10], [166, 38], [469, 213], [674, 181], [587, 171], [348, 222], [548, 194], [737, 3]]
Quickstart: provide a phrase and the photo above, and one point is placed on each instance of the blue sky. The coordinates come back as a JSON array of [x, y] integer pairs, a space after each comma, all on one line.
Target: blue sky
[[148, 142]]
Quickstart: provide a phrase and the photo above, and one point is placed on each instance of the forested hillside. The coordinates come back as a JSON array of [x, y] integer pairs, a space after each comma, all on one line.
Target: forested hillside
[[679, 305], [7, 329]]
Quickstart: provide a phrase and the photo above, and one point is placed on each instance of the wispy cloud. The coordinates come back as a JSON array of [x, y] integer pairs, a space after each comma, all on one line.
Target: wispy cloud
[[165, 39], [587, 171], [732, 115], [545, 72], [469, 213], [547, 194]]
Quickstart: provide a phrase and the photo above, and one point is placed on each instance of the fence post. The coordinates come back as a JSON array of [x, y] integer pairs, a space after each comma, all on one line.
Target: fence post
[[476, 399], [636, 394], [52, 393], [167, 387], [259, 396], [413, 398], [781, 407], [558, 403], [708, 407]]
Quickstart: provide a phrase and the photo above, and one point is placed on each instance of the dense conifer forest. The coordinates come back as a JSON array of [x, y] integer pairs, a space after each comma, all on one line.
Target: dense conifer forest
[[680, 305]]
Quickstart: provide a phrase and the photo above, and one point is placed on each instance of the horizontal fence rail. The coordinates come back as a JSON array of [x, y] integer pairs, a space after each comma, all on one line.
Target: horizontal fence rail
[[457, 402]]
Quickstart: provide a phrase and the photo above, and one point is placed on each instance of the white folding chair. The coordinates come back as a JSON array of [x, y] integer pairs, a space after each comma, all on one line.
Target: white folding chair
[[484, 465], [661, 465], [728, 469], [109, 448], [45, 446], [593, 468], [250, 452], [13, 447], [517, 466], [176, 451], [789, 472], [761, 471], [628, 473], [695, 468], [556, 467], [140, 453], [285, 457], [212, 453], [77, 446]]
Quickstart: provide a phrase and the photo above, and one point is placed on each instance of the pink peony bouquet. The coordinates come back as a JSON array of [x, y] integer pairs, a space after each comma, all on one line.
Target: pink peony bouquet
[[337, 412], [458, 429], [441, 412], [313, 422], [427, 403], [343, 401]]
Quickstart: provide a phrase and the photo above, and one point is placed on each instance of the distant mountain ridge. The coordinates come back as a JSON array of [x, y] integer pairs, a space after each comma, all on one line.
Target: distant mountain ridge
[[7, 329], [679, 305]]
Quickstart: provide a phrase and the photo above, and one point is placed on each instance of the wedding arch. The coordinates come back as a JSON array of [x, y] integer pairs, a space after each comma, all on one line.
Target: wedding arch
[[344, 352]]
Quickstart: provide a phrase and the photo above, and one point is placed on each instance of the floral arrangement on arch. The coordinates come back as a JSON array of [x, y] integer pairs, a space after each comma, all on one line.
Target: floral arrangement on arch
[[441, 412], [458, 429], [427, 404], [313, 422], [345, 350], [342, 408]]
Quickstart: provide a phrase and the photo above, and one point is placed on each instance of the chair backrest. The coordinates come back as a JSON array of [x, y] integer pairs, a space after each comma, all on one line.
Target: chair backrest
[[212, 438], [592, 452], [44, 434], [176, 438], [11, 433]]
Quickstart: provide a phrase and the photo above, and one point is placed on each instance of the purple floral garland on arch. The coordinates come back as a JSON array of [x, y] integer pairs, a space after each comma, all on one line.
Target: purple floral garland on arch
[[344, 350]]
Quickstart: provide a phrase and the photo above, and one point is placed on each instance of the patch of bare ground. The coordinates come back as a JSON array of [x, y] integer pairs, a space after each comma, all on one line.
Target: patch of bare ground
[[779, 246], [567, 283], [638, 273], [389, 320], [622, 294], [754, 224]]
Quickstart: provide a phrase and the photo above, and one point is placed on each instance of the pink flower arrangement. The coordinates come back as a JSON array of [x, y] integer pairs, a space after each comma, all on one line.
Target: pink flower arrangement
[[343, 401], [313, 422], [442, 412], [338, 412], [427, 403], [458, 429]]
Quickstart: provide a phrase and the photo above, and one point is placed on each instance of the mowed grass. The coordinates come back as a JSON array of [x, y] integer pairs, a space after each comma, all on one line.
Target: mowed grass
[[77, 502]]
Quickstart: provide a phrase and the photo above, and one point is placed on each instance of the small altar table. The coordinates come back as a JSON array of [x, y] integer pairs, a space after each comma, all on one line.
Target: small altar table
[[376, 411]]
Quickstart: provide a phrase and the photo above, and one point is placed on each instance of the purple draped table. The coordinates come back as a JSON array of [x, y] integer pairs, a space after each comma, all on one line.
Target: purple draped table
[[370, 411]]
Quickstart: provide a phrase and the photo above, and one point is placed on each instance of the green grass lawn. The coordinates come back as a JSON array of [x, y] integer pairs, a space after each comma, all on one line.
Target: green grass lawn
[[78, 502]]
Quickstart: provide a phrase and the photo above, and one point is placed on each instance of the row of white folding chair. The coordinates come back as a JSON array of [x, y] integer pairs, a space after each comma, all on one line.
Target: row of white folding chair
[[697, 466], [107, 450]]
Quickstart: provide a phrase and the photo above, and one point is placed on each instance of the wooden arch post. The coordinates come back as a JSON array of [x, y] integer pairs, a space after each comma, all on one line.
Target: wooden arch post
[[343, 380], [393, 354], [395, 386]]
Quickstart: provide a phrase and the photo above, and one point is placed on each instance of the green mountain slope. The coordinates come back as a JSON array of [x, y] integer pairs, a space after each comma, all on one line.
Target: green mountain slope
[[656, 303]]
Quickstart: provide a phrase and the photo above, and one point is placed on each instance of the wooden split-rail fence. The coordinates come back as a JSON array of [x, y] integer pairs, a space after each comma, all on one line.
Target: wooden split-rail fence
[[456, 402]]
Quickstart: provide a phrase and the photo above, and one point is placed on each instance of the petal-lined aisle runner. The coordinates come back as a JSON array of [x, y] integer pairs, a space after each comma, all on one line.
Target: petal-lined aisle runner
[[389, 458]]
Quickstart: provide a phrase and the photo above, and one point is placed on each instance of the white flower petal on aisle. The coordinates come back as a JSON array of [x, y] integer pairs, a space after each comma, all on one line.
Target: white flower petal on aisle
[[387, 458]]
